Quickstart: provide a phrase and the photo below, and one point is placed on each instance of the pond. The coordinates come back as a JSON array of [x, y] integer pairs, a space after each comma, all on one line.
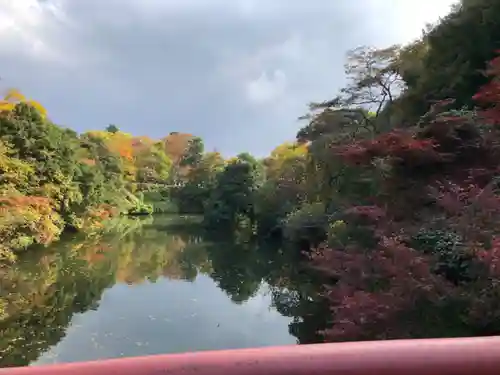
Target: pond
[[163, 287]]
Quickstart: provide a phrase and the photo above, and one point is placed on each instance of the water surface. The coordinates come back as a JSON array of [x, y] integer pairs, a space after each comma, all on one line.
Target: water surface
[[161, 288]]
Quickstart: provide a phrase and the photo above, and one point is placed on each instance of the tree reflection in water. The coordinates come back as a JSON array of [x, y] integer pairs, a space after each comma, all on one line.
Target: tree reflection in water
[[42, 292]]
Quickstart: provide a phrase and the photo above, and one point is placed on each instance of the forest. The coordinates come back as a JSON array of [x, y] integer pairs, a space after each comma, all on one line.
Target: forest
[[390, 191]]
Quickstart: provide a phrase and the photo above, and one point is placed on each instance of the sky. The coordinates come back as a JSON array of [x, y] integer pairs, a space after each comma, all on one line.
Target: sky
[[237, 73]]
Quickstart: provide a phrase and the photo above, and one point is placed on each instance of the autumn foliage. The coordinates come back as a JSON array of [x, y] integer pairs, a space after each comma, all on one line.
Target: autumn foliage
[[425, 252], [27, 220], [13, 97], [489, 95]]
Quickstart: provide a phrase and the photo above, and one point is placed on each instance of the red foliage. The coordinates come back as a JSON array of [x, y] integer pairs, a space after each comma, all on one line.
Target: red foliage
[[488, 96], [376, 286], [397, 143], [382, 280], [372, 213], [491, 258]]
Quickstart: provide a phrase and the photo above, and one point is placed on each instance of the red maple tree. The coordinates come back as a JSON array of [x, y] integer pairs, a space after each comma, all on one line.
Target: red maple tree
[[442, 190]]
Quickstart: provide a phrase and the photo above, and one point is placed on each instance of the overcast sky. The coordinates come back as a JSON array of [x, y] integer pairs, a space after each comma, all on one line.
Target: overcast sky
[[236, 72]]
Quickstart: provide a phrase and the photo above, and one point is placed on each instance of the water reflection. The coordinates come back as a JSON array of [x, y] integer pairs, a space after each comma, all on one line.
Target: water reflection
[[162, 287]]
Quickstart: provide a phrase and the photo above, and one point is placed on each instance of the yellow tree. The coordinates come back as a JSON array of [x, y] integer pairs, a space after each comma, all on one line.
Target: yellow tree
[[14, 96], [151, 161], [281, 156], [120, 144]]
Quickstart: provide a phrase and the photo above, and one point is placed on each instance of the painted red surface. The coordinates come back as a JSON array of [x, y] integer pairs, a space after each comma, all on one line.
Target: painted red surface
[[468, 356]]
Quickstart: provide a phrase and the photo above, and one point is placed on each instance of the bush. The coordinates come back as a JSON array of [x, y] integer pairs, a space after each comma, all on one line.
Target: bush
[[140, 209], [306, 226], [453, 259]]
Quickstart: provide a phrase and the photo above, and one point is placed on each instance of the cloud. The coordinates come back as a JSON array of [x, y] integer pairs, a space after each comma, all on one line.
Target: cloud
[[19, 23], [266, 88], [236, 72]]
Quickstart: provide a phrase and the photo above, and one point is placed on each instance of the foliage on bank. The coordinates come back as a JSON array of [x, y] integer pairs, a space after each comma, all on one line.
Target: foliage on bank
[[53, 179]]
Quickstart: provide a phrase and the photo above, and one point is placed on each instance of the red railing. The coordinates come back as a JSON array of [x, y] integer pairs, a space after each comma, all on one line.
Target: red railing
[[467, 356]]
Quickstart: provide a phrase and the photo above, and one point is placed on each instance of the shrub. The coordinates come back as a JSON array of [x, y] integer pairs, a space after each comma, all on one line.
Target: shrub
[[306, 226]]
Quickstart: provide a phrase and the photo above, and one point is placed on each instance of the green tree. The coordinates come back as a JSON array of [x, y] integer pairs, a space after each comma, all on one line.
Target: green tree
[[193, 196], [194, 152], [232, 199], [112, 129], [449, 61]]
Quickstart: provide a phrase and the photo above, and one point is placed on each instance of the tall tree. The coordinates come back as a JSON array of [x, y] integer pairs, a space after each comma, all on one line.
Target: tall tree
[[374, 79]]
